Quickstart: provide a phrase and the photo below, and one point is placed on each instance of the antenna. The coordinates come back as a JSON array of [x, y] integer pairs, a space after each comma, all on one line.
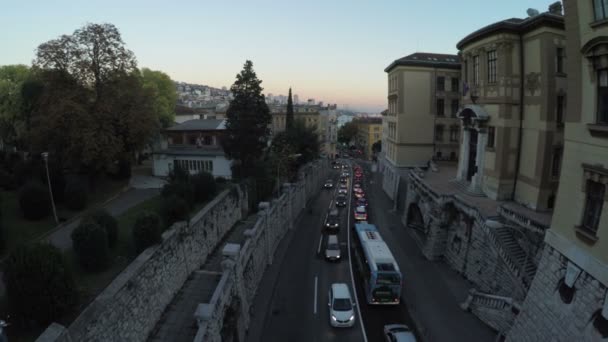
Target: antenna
[[532, 12]]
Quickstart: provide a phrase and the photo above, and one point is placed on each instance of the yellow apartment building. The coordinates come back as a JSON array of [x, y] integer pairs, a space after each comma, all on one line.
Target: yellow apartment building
[[369, 131]]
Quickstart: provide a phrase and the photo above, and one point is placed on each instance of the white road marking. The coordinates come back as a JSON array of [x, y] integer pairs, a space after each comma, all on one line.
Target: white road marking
[[320, 242], [315, 304], [350, 264]]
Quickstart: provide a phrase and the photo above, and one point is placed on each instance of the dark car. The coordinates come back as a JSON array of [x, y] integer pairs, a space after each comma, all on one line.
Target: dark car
[[333, 220], [362, 202], [341, 201]]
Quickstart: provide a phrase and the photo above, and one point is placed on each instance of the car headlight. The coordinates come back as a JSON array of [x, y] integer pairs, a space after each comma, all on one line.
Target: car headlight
[[351, 318], [337, 257], [333, 317], [327, 225]]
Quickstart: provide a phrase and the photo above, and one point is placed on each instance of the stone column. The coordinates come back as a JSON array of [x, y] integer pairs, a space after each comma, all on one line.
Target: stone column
[[477, 180], [463, 162]]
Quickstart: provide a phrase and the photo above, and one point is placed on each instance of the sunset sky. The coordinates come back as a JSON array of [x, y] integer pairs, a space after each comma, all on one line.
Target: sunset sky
[[333, 51]]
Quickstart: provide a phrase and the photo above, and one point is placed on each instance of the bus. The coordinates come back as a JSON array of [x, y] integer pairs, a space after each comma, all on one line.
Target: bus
[[377, 266]]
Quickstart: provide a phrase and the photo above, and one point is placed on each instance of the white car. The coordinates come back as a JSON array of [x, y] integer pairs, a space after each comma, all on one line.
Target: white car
[[341, 306], [328, 184], [398, 333]]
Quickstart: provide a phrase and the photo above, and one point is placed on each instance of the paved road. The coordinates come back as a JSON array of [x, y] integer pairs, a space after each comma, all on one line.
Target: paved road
[[298, 309]]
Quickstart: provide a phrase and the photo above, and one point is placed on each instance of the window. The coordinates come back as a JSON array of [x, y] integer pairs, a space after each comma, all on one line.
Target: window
[[455, 105], [439, 133], [454, 130], [492, 66], [440, 83], [476, 70], [600, 8], [602, 96], [559, 113], [559, 60], [556, 162], [593, 205], [454, 84], [491, 136], [440, 107]]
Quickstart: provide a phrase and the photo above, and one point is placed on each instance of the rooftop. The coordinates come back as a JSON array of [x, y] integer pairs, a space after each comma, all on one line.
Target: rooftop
[[199, 125], [424, 59]]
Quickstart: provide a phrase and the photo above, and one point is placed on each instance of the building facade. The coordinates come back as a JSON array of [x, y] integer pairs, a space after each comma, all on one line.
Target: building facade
[[369, 131], [195, 146], [423, 100], [487, 216], [568, 299]]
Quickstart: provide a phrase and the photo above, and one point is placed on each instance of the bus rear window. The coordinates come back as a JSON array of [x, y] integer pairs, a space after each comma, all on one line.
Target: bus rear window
[[388, 279]]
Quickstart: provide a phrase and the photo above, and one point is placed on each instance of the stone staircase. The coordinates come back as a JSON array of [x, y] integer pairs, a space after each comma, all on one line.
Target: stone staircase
[[525, 264], [499, 312]]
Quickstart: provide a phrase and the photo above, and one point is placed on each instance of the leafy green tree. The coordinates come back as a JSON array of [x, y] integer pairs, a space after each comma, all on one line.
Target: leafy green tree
[[147, 230], [301, 139], [90, 242], [163, 93], [39, 284], [347, 133], [247, 124], [289, 113], [12, 124], [204, 186], [108, 222], [34, 201]]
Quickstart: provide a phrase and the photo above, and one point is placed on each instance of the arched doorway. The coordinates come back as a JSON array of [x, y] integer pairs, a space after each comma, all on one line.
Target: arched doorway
[[415, 220]]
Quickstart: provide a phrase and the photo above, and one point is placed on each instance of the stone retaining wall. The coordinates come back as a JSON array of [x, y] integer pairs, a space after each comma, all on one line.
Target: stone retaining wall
[[128, 309]]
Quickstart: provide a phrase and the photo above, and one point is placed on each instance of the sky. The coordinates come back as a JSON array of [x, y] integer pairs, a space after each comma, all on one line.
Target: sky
[[330, 50]]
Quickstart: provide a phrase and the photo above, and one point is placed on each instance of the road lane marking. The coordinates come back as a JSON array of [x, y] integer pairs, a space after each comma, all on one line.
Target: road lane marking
[[315, 304], [350, 265], [320, 242]]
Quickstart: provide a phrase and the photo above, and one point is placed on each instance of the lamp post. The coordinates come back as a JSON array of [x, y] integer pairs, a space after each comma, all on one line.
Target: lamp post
[[296, 155], [45, 157]]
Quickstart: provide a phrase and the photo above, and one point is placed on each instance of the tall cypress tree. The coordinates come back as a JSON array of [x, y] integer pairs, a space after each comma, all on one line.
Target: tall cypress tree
[[289, 113], [247, 124]]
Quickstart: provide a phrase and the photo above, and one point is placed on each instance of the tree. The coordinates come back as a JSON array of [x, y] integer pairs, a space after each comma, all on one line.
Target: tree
[[163, 93], [300, 139], [289, 113], [248, 120], [146, 230], [39, 284], [90, 241], [107, 222], [347, 133], [34, 201], [12, 80]]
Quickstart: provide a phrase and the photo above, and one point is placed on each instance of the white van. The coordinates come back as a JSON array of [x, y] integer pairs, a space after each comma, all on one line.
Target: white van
[[341, 306], [332, 251]]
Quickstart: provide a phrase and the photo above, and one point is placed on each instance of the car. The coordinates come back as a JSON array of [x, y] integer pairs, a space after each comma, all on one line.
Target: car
[[359, 195], [357, 186], [332, 221], [360, 213], [345, 173], [341, 201], [343, 180], [337, 166], [329, 184], [362, 202], [398, 333], [332, 251], [342, 191], [341, 306]]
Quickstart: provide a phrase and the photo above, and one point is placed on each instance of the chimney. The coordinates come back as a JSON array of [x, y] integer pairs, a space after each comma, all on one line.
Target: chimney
[[556, 8]]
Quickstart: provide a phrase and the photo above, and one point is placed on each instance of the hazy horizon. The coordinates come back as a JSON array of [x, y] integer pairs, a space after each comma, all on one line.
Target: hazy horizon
[[335, 53]]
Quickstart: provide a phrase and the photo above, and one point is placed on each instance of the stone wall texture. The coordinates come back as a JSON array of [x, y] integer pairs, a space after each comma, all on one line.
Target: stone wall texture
[[128, 309], [244, 271], [546, 317]]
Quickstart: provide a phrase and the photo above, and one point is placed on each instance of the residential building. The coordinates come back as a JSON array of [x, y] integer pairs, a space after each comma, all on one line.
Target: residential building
[[568, 299], [195, 146], [310, 115], [369, 131], [487, 217], [423, 100]]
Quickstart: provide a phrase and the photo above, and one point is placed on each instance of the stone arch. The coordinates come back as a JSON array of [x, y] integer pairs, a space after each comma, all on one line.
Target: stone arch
[[415, 220]]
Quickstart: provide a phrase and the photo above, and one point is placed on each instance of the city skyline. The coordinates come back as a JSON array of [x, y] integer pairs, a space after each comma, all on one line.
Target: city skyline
[[335, 53]]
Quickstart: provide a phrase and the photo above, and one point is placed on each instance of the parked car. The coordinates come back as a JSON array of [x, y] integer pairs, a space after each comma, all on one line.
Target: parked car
[[329, 184], [341, 201], [341, 306], [360, 213], [332, 221], [357, 185], [398, 333], [343, 180], [362, 202], [332, 251]]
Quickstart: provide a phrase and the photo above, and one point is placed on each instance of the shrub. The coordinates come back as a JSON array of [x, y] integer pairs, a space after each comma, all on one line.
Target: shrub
[[39, 284], [34, 201], [26, 171], [146, 230], [7, 181], [90, 243], [75, 193], [204, 186], [174, 209], [180, 189], [107, 222], [221, 180], [178, 174]]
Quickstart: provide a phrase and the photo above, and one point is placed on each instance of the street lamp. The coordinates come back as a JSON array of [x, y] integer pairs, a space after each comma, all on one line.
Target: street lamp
[[45, 157], [296, 155]]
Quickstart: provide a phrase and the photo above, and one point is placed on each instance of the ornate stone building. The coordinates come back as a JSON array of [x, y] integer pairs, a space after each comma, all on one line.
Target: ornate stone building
[[488, 216], [568, 299]]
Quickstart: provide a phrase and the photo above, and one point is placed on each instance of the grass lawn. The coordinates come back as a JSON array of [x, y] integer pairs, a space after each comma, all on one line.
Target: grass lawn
[[17, 229]]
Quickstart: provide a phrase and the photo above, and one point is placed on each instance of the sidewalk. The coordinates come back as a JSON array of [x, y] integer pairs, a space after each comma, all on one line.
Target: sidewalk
[[434, 291]]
